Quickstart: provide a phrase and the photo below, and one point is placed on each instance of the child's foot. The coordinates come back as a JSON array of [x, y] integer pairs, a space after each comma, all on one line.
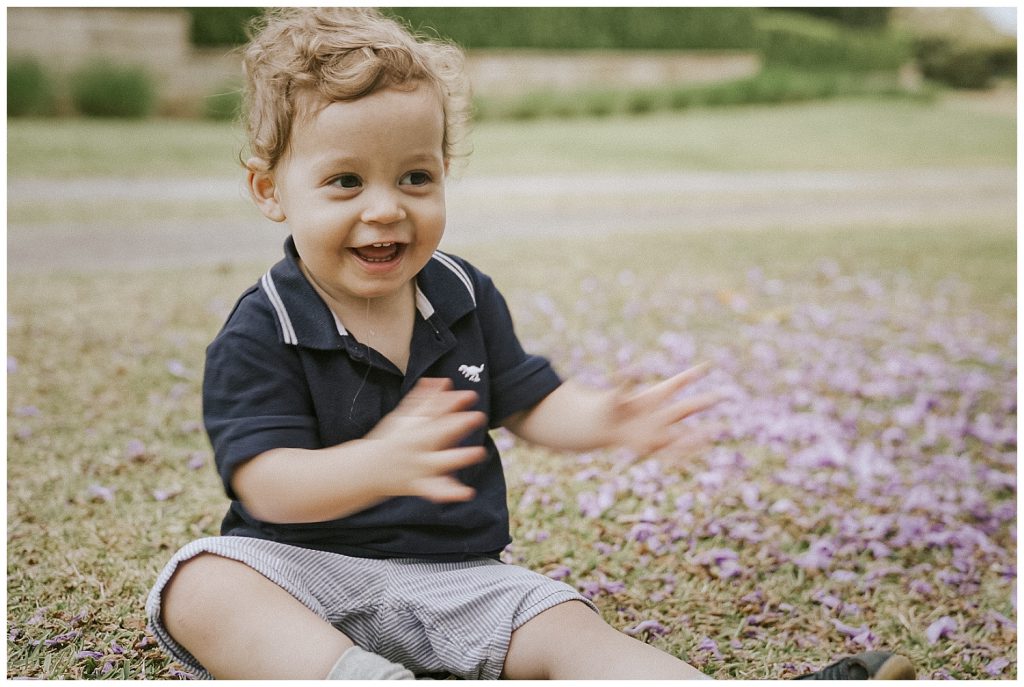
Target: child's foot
[[871, 665]]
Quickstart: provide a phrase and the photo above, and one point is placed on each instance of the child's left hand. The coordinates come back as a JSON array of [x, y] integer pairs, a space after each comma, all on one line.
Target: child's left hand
[[649, 420], [645, 421]]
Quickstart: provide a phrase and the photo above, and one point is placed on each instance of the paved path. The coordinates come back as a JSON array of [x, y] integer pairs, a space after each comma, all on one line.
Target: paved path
[[489, 208]]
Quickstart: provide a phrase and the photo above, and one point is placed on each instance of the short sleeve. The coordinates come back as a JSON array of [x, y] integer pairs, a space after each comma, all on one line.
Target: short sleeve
[[255, 397], [519, 380]]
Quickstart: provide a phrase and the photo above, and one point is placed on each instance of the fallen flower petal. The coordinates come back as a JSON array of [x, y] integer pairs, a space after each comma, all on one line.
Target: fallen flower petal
[[652, 626], [940, 628], [997, 666]]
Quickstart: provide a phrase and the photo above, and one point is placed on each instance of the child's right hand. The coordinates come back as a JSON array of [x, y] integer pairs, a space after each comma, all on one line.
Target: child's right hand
[[419, 442]]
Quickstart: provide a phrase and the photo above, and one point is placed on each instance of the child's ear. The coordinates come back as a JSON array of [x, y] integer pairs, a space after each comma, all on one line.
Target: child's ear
[[263, 189]]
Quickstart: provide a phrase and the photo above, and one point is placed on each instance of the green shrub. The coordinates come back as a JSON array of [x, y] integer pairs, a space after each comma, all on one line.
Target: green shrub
[[576, 28], [965, 66], [223, 104], [220, 26], [30, 90], [104, 89], [809, 43]]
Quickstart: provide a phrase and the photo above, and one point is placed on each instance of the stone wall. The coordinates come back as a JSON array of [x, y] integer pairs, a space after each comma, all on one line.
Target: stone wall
[[65, 38]]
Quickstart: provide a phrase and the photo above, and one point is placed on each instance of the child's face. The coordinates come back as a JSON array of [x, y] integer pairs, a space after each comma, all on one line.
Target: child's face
[[362, 189]]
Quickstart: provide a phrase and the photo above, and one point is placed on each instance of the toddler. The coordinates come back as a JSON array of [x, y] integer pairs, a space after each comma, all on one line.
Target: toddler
[[349, 396]]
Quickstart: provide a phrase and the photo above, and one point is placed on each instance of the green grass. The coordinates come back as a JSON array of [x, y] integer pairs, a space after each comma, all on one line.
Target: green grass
[[102, 372], [101, 360], [845, 134]]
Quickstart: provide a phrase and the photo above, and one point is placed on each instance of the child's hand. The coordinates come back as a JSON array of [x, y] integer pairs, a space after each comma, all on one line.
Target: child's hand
[[422, 436], [649, 420]]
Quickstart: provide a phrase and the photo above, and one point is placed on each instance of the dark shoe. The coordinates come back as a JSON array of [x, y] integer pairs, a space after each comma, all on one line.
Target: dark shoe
[[871, 665]]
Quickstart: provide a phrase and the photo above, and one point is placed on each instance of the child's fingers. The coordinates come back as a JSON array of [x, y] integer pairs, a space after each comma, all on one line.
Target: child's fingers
[[434, 397], [657, 395], [444, 490], [448, 430], [450, 460], [691, 405]]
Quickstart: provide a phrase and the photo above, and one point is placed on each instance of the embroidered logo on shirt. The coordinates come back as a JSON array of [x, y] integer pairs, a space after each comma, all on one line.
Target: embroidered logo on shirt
[[471, 372]]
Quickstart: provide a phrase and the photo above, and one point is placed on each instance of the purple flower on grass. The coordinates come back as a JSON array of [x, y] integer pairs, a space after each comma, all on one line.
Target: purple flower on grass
[[178, 369], [940, 628], [134, 450], [709, 645], [12, 364], [559, 573], [89, 654], [651, 626], [166, 494], [98, 492], [997, 666], [196, 460], [116, 648], [62, 639]]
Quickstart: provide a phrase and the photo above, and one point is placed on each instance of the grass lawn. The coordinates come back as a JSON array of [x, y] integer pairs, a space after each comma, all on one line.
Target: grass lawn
[[862, 496], [844, 134]]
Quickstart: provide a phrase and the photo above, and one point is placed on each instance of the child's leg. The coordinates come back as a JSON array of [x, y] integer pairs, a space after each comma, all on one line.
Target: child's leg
[[571, 642], [239, 624]]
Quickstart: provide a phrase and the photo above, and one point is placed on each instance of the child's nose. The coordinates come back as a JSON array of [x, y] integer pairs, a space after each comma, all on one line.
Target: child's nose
[[383, 207]]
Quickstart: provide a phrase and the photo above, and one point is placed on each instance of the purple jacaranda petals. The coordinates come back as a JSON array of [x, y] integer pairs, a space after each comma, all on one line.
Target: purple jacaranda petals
[[849, 630], [145, 642], [180, 674], [12, 364], [89, 654], [709, 645], [98, 492], [843, 575], [827, 600], [166, 494], [134, 450], [116, 648], [37, 617], [921, 587], [651, 626], [108, 667], [196, 460], [178, 369], [13, 634], [559, 573], [715, 556], [62, 639], [27, 411], [940, 628], [817, 557], [996, 666]]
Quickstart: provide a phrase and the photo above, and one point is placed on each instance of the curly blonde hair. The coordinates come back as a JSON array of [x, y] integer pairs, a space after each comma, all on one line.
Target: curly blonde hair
[[342, 54]]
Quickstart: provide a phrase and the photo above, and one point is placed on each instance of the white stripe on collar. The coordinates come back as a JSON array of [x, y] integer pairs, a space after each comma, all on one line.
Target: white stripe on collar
[[287, 330], [426, 309], [459, 272]]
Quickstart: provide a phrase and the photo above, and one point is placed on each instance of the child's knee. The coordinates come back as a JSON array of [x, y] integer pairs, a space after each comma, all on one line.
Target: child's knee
[[197, 587]]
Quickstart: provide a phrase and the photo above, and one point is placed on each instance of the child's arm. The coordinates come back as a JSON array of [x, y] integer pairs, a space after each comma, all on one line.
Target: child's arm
[[411, 452], [576, 418]]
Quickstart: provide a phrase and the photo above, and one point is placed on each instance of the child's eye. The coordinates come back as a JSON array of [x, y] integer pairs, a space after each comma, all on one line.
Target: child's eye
[[347, 181], [415, 179]]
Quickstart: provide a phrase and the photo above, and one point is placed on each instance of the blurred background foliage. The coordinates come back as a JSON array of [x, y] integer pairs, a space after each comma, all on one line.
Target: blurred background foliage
[[806, 53]]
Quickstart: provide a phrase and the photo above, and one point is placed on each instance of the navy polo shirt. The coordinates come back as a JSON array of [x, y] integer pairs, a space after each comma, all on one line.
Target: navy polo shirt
[[285, 373]]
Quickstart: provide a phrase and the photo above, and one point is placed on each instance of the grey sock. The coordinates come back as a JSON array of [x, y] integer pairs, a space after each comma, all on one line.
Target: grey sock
[[356, 664]]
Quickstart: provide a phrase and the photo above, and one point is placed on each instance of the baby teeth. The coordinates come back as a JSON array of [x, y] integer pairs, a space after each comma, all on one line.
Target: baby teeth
[[383, 245]]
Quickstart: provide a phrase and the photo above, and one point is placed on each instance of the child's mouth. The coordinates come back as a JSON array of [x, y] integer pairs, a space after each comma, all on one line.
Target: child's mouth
[[379, 252]]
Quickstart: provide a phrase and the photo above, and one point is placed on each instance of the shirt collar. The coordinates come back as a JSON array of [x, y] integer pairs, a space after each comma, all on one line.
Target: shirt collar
[[444, 293]]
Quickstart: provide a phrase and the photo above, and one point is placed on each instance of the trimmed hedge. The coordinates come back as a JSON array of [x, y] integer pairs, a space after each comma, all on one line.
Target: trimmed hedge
[[816, 44], [104, 89], [30, 89], [574, 28], [966, 66], [220, 26], [773, 85]]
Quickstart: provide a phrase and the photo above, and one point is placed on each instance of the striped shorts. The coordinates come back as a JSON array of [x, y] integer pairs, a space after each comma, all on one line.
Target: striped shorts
[[432, 617]]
